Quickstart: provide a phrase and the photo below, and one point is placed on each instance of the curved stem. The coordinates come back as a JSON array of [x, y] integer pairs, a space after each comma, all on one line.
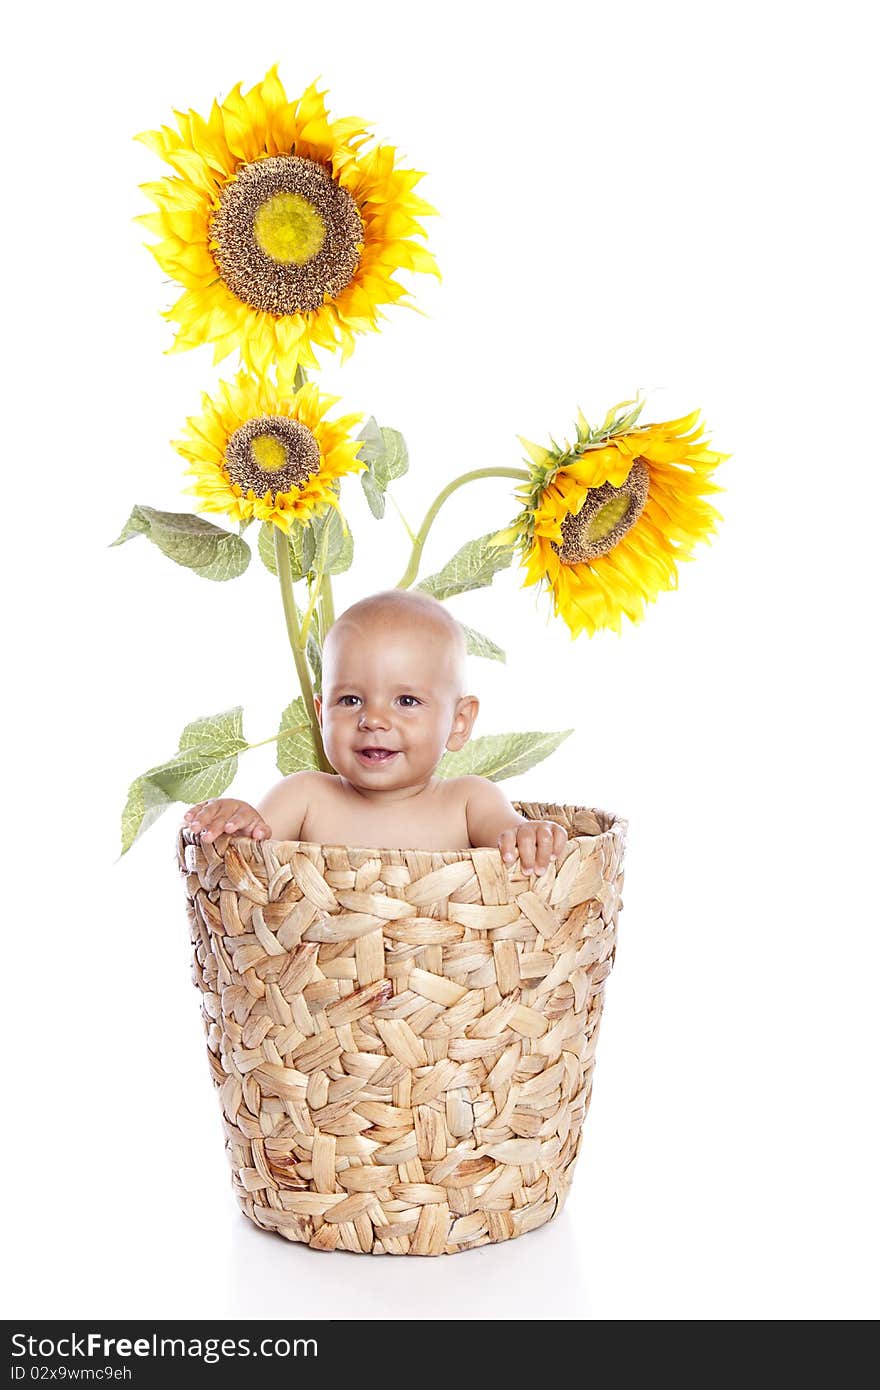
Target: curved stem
[[291, 618], [412, 568]]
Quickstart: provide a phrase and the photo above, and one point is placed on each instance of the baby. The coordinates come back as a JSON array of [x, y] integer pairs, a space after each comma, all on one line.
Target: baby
[[392, 703]]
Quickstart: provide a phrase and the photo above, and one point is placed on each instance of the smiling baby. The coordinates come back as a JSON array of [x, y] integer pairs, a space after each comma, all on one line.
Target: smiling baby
[[392, 704]]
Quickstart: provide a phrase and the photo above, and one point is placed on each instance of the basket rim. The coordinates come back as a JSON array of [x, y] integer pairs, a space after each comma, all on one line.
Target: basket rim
[[617, 828]]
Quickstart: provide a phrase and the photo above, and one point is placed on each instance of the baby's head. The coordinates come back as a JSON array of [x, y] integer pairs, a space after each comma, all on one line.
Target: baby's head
[[393, 679]]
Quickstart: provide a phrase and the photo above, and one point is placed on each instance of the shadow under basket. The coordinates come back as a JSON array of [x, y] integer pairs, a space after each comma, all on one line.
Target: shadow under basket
[[403, 1041]]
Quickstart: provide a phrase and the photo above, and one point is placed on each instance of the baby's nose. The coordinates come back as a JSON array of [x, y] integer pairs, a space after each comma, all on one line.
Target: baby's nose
[[373, 718]]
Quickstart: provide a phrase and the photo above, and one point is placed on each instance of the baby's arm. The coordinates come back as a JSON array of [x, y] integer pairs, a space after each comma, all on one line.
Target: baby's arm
[[491, 820], [280, 815], [285, 805]]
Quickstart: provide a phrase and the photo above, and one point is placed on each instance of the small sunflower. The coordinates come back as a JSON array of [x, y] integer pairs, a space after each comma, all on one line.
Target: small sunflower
[[258, 451], [284, 232], [607, 519]]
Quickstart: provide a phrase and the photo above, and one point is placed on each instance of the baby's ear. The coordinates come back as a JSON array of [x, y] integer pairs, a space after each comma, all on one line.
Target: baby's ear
[[318, 703], [466, 712]]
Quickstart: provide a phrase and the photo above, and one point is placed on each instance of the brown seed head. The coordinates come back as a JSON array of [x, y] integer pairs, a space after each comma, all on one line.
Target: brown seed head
[[605, 517], [283, 287]]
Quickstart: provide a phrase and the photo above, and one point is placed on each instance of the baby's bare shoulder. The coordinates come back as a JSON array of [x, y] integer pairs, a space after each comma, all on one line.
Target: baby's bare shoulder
[[472, 783], [285, 805], [472, 788], [308, 783]]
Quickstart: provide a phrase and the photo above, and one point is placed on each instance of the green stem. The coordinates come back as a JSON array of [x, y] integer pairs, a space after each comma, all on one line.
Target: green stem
[[412, 568], [291, 618], [407, 527], [326, 614], [273, 738], [315, 592]]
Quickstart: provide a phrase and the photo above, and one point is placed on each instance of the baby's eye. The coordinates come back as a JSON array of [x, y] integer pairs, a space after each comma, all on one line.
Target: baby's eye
[[415, 701], [343, 698]]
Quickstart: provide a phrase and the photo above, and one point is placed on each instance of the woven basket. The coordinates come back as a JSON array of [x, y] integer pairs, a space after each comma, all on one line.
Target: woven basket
[[403, 1041]]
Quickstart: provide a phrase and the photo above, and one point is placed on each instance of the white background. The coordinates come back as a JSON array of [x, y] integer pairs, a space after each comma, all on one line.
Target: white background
[[669, 197]]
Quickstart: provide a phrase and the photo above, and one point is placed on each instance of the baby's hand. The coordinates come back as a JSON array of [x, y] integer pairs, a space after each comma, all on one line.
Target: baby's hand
[[225, 816], [538, 842]]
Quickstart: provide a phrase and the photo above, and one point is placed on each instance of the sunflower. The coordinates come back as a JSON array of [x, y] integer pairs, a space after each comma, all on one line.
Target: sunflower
[[607, 519], [260, 451], [283, 230]]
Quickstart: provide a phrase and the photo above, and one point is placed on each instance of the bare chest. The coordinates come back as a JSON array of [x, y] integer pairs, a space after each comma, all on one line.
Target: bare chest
[[432, 820]]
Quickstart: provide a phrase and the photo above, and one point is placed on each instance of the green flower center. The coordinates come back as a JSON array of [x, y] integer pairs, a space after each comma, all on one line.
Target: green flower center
[[289, 229], [286, 236], [269, 452], [273, 454], [602, 523], [605, 516]]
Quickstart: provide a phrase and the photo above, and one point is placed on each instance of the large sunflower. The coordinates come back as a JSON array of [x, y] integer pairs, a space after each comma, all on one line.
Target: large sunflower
[[607, 519], [259, 451], [284, 232]]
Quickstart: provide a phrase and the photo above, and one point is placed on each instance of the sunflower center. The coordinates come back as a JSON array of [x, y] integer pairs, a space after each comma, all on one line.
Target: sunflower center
[[288, 229], [603, 522], [605, 517], [269, 452], [286, 235], [272, 454]]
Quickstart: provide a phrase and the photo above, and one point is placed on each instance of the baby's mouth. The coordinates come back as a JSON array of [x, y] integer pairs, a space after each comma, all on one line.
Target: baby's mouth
[[375, 756]]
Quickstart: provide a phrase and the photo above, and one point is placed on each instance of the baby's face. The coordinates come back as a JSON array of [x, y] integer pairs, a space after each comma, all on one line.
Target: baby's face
[[391, 703]]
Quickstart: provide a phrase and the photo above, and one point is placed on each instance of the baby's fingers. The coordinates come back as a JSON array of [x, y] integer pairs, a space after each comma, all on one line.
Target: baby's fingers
[[257, 829], [209, 822], [525, 843], [507, 845], [198, 816], [544, 842], [241, 819], [212, 816]]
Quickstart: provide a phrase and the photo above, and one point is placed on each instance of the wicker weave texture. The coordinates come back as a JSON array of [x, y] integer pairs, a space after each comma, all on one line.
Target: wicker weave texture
[[403, 1041]]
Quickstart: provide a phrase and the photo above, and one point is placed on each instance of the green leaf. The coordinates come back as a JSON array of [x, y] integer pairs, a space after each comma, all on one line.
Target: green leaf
[[478, 645], [190, 541], [498, 756], [373, 445], [374, 495], [395, 460], [145, 804], [200, 775], [222, 731], [340, 544], [314, 653], [385, 453], [296, 751], [472, 567], [266, 548], [204, 765], [203, 773]]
